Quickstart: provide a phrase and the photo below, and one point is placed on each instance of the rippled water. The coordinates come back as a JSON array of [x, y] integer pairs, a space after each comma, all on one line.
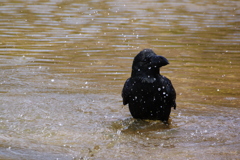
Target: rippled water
[[64, 63]]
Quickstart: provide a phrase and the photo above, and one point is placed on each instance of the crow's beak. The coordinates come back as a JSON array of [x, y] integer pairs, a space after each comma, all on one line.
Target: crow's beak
[[163, 60], [160, 61]]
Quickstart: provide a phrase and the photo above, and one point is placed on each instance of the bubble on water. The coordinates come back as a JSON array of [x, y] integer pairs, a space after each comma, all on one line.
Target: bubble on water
[[135, 97], [149, 67], [159, 89], [86, 82], [52, 80], [164, 92], [139, 69], [218, 90], [163, 87]]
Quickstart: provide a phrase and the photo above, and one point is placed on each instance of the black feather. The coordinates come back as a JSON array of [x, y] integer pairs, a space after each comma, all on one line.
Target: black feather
[[149, 94]]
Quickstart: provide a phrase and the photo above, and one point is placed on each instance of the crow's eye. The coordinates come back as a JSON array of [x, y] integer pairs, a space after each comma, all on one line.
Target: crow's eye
[[147, 59]]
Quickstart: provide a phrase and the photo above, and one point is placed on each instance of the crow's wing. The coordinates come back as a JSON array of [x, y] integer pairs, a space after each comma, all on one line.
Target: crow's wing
[[171, 92], [126, 91]]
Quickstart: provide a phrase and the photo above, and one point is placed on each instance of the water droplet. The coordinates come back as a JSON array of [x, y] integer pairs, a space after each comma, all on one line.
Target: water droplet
[[163, 87], [159, 89], [149, 67], [139, 69], [164, 92], [135, 97], [118, 132]]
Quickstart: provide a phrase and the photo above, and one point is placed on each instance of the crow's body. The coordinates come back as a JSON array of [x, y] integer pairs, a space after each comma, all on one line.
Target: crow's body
[[149, 94]]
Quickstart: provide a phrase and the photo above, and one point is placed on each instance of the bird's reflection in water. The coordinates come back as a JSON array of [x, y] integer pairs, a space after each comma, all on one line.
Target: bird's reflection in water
[[131, 125]]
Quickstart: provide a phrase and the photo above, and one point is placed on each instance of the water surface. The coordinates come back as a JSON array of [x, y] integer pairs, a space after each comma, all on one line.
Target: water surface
[[64, 63]]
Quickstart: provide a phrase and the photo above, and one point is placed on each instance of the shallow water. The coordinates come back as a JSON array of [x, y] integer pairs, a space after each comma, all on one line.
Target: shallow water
[[64, 63]]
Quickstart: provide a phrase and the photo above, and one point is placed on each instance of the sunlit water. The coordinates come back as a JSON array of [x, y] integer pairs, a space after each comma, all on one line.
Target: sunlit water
[[64, 63]]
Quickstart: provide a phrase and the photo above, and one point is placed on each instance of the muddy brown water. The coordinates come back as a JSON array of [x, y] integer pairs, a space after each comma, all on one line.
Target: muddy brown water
[[64, 63]]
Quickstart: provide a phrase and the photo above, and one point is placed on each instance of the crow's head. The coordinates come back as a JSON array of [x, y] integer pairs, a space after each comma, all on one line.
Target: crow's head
[[147, 63]]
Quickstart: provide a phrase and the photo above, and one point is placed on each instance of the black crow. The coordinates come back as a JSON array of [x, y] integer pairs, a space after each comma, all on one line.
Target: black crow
[[149, 94]]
